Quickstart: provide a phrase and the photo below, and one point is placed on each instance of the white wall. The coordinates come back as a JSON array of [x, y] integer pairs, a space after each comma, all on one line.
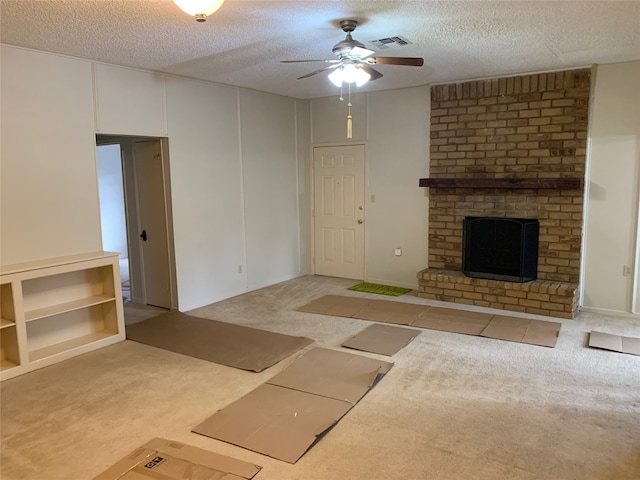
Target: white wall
[[235, 159], [206, 183], [138, 109], [49, 188], [398, 154], [394, 125], [612, 206], [270, 175]]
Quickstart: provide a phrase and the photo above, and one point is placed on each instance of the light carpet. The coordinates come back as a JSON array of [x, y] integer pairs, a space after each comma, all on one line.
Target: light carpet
[[454, 407]]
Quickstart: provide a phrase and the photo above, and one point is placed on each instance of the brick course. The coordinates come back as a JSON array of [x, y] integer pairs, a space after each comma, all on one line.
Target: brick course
[[531, 126]]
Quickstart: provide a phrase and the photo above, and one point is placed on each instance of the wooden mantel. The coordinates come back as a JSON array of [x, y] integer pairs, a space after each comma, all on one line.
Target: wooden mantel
[[564, 183]]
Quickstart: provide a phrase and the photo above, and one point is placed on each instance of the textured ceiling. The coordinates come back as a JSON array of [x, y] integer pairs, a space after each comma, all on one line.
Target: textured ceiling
[[243, 43]]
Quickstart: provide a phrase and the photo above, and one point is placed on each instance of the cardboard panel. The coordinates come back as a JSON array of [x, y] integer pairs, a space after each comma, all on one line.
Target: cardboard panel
[[605, 341], [616, 343], [168, 460], [218, 342], [631, 345], [523, 330], [335, 305], [503, 327], [543, 333], [453, 320], [391, 312], [284, 417], [382, 339], [279, 422], [329, 373]]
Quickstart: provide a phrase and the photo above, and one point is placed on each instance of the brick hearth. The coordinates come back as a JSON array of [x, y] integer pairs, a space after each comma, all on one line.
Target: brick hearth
[[527, 127]]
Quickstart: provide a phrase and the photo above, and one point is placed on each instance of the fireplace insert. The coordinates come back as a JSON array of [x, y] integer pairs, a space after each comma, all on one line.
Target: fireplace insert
[[499, 248]]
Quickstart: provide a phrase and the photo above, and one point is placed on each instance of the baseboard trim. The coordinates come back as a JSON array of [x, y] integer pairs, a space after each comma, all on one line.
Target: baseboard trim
[[613, 313]]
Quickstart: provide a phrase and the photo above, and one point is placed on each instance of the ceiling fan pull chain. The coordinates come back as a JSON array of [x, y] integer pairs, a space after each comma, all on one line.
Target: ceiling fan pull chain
[[349, 117]]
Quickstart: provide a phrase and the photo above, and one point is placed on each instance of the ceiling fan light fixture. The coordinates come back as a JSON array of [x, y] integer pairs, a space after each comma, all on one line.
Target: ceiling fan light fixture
[[349, 73], [361, 52], [200, 9], [336, 77], [362, 77]]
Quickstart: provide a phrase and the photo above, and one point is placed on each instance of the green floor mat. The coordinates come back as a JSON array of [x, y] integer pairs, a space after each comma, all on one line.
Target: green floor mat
[[380, 289]]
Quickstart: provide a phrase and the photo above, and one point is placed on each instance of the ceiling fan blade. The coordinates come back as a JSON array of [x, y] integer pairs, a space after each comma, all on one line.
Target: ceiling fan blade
[[317, 71], [408, 61], [302, 61], [371, 71]]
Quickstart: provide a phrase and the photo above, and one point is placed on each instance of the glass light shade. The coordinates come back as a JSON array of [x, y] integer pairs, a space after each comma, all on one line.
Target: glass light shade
[[362, 77], [349, 74], [336, 77], [197, 8]]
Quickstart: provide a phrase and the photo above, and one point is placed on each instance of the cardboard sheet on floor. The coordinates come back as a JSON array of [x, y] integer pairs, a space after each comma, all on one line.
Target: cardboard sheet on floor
[[168, 460], [336, 305], [523, 330], [387, 311], [218, 342], [330, 373], [382, 339], [616, 343], [453, 320], [286, 416], [503, 327]]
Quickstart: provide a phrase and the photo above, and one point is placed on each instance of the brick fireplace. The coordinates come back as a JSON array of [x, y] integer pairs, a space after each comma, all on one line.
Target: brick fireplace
[[509, 147]]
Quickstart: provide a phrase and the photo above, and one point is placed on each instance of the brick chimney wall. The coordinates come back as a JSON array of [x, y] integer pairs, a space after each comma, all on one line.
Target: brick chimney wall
[[530, 126]]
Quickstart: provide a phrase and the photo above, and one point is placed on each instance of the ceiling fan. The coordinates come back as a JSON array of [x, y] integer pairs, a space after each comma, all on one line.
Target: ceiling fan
[[354, 61]]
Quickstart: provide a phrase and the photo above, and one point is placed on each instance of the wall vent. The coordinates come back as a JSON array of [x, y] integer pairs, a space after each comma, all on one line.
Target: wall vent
[[390, 42]]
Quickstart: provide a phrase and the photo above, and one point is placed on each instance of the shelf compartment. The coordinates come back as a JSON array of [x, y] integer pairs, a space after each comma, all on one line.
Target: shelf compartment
[[7, 309], [6, 323], [61, 333], [58, 309], [65, 288], [6, 365], [67, 345], [9, 356]]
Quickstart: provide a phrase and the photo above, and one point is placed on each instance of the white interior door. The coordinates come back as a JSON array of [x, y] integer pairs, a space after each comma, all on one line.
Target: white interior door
[[152, 221], [339, 194]]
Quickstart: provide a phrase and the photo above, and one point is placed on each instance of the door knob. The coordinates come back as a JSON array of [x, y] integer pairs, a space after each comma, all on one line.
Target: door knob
[[143, 235], [360, 221]]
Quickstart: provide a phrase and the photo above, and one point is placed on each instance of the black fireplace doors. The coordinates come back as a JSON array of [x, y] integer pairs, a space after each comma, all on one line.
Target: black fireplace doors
[[500, 248]]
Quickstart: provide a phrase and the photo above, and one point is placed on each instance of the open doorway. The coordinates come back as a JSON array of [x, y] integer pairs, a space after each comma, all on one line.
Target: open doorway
[[112, 209], [133, 180]]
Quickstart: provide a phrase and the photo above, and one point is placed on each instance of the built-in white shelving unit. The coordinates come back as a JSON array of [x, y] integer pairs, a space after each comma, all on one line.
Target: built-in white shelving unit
[[55, 309]]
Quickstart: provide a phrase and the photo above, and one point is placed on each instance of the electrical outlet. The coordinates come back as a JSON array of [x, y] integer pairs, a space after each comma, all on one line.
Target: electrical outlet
[[626, 271], [397, 251]]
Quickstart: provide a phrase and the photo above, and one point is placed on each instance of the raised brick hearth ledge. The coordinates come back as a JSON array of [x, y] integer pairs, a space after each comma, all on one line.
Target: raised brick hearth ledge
[[540, 297]]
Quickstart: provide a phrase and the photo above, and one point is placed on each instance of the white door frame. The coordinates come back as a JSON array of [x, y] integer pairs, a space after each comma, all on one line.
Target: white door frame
[[131, 211], [312, 230]]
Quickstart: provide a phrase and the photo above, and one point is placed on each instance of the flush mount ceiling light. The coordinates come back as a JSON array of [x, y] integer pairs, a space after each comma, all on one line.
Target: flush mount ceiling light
[[200, 9]]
